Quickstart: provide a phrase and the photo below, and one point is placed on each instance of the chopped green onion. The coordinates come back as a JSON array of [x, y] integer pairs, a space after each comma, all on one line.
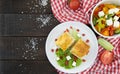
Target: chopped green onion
[[94, 20]]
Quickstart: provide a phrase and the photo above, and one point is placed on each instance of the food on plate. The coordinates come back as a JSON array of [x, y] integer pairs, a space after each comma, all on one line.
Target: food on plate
[[105, 44], [74, 33], [80, 49], [70, 48], [107, 57], [65, 41], [74, 4], [106, 19], [66, 59]]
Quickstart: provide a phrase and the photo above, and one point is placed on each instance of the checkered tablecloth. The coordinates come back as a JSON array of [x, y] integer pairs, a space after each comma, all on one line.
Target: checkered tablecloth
[[63, 14]]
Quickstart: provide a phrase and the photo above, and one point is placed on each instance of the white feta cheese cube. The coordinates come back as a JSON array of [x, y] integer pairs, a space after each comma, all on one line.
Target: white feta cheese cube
[[74, 63], [57, 58], [109, 22], [106, 16], [78, 35], [111, 11], [68, 57], [116, 18], [101, 13], [114, 10], [116, 24]]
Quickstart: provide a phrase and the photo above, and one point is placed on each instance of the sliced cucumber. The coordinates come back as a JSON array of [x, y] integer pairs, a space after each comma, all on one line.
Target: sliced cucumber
[[105, 44], [74, 34]]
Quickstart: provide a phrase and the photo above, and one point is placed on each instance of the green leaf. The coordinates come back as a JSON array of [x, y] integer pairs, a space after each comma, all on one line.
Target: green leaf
[[61, 62], [99, 21], [59, 52], [110, 16], [69, 66], [78, 62], [94, 20]]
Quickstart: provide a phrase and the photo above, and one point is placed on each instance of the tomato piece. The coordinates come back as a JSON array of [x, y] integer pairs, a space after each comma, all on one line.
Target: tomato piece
[[108, 31], [74, 4], [96, 12], [98, 9], [111, 30], [101, 7], [105, 31], [107, 57], [118, 14], [105, 10]]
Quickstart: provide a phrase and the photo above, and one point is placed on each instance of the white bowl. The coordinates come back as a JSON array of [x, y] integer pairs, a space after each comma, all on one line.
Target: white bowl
[[116, 2]]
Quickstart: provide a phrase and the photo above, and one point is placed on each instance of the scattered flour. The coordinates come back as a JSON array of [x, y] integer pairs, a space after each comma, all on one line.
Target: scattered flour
[[31, 50], [44, 19], [34, 43], [20, 65], [22, 12], [35, 6], [43, 2]]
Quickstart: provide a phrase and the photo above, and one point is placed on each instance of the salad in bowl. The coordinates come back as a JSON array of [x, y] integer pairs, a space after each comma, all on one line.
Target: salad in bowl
[[105, 19]]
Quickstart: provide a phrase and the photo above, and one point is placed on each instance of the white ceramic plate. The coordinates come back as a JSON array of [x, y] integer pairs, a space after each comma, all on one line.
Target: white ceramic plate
[[57, 31]]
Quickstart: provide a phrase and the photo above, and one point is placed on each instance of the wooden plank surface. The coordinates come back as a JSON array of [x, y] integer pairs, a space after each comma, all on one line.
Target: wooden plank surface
[[23, 48], [26, 67], [24, 26], [25, 7], [27, 24]]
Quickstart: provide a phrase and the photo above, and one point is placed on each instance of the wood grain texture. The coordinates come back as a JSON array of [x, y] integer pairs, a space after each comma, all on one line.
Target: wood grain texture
[[25, 7], [26, 24], [23, 48], [24, 27], [26, 67]]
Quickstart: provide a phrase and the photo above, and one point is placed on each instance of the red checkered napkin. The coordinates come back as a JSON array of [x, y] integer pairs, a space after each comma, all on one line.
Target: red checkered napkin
[[99, 68], [63, 13]]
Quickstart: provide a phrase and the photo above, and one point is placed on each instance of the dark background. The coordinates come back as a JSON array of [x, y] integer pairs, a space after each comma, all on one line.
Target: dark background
[[24, 26]]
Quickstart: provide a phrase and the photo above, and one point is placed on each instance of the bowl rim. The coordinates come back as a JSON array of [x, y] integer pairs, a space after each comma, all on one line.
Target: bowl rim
[[91, 20]]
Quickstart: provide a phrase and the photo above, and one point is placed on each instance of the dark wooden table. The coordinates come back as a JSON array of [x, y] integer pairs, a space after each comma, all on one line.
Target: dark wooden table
[[24, 26]]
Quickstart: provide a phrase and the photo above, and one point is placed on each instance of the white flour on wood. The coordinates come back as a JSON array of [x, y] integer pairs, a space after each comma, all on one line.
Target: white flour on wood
[[44, 19], [35, 6], [43, 2], [31, 50]]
